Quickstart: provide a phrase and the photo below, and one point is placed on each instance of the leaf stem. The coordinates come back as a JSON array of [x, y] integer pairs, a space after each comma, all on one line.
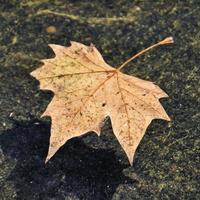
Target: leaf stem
[[168, 40]]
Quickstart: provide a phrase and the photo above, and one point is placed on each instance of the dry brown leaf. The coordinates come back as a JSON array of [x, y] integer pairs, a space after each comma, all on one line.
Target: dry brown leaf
[[87, 90]]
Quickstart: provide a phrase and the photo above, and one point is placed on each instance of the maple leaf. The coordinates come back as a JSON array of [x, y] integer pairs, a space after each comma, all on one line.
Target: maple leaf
[[87, 90]]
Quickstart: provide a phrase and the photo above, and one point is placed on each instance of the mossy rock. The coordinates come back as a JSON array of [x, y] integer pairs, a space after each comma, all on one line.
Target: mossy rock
[[166, 165]]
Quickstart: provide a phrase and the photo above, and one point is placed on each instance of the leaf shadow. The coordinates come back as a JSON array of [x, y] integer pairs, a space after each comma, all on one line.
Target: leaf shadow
[[77, 171]]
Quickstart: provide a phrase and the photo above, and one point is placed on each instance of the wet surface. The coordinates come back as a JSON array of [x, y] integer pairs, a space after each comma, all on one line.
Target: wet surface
[[166, 165]]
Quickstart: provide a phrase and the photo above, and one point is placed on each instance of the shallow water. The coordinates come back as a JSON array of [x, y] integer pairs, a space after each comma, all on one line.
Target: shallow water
[[166, 165]]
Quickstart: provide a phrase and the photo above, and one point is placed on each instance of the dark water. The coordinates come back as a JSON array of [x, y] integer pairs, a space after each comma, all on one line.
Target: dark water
[[166, 165]]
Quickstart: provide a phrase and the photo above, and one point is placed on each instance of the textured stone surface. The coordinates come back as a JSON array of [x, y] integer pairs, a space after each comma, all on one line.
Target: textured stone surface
[[167, 161]]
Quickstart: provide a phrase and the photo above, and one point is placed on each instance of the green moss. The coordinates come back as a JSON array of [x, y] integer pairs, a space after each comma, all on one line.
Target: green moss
[[166, 163], [32, 4]]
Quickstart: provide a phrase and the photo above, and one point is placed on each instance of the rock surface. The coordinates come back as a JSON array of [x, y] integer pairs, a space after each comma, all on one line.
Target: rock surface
[[166, 165]]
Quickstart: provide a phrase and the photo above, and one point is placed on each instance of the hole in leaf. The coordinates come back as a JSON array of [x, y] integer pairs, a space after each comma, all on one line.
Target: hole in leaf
[[103, 104]]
